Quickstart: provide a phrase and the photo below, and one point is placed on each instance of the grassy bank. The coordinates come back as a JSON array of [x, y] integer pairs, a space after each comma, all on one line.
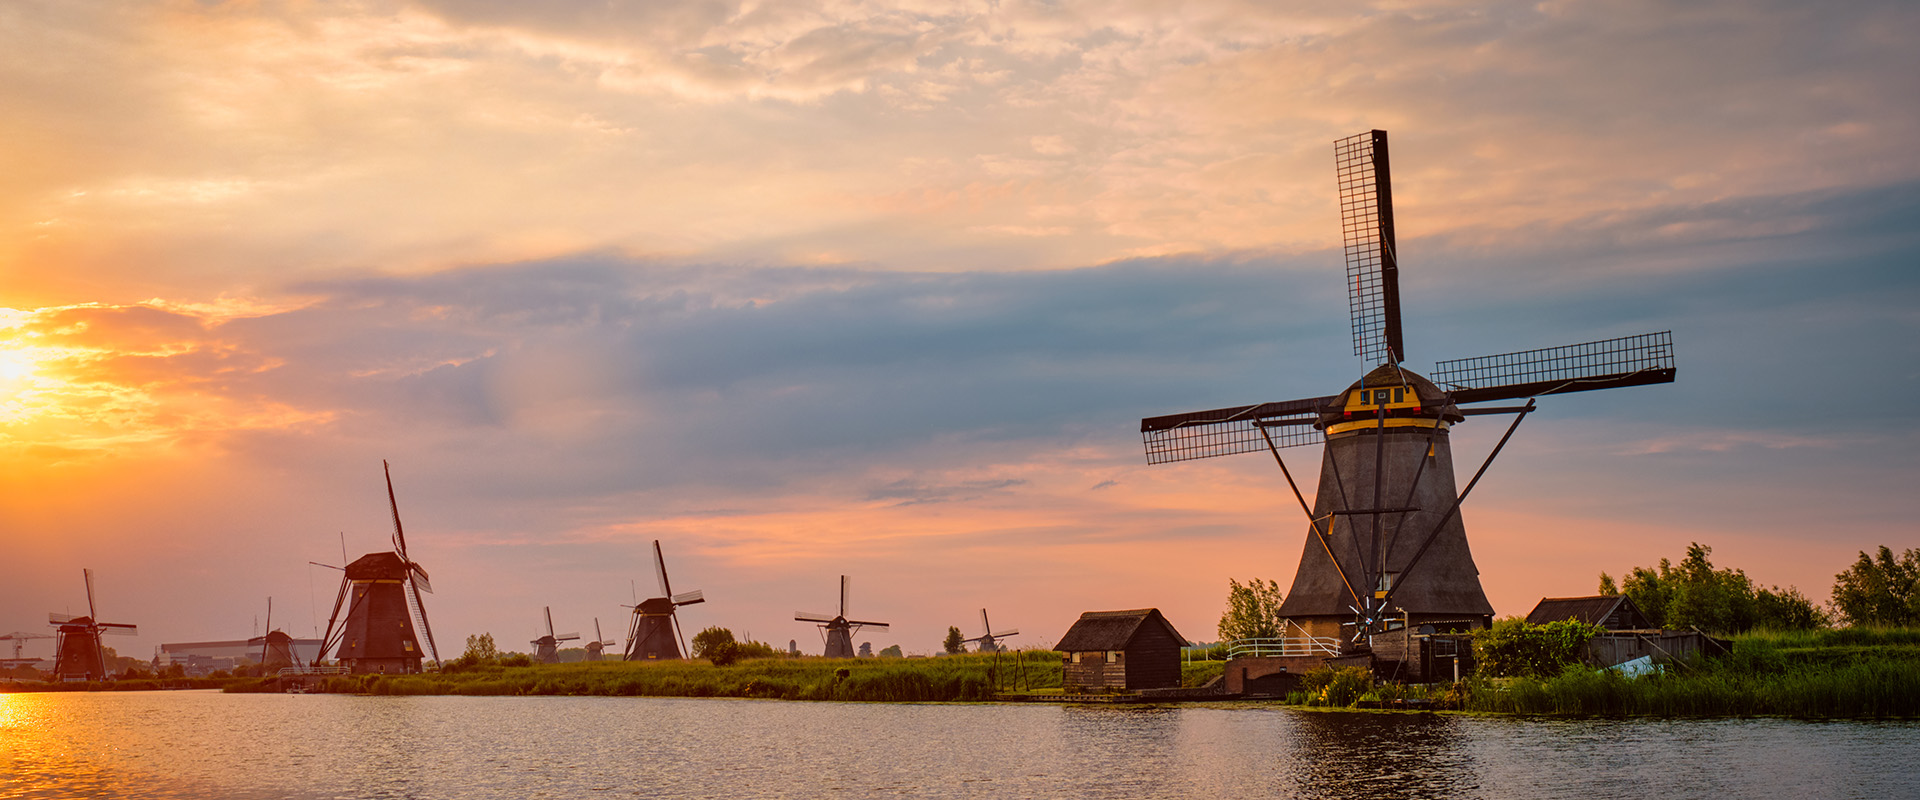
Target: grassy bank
[[951, 678], [137, 685], [1843, 673]]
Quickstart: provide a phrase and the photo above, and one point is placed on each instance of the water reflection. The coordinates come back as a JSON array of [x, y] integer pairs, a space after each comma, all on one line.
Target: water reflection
[[208, 745], [1356, 755]]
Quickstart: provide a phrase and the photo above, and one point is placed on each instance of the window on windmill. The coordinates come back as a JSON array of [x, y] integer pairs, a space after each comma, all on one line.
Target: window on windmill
[[1076, 658], [1113, 655]]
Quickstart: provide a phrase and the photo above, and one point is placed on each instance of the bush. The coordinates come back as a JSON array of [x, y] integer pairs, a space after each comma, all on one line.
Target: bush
[[708, 639], [1329, 686], [723, 654], [1514, 648]]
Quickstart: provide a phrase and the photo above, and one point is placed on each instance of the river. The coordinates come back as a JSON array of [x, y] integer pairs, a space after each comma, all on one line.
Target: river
[[211, 745]]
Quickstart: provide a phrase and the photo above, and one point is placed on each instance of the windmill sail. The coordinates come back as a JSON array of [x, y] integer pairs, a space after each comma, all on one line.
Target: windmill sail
[[1373, 265], [1231, 431], [1605, 364]]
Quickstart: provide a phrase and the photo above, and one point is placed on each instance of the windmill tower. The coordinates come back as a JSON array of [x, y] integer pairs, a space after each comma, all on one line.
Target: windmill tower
[[78, 655], [654, 630], [546, 649], [1385, 540], [988, 640], [600, 642], [276, 648], [380, 596], [837, 628]]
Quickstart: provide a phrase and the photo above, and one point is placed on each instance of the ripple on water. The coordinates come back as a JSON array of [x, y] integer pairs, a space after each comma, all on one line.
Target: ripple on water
[[211, 745]]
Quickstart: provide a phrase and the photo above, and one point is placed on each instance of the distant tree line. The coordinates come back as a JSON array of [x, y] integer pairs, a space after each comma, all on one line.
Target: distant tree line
[[1880, 590]]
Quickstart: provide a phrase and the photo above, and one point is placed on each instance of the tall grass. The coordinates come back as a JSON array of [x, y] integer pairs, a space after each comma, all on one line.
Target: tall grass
[[950, 678], [1850, 673]]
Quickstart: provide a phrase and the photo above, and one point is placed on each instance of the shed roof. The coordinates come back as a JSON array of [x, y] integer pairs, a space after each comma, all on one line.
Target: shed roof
[[1111, 630], [1591, 610]]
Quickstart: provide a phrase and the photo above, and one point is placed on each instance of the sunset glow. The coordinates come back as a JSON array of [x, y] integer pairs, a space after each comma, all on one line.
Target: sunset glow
[[883, 289]]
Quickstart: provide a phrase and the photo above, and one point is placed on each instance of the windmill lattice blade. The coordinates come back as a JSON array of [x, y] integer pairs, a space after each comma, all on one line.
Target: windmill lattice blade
[[420, 579], [1604, 364], [118, 629], [91, 612], [986, 628], [399, 534], [809, 616], [870, 627], [660, 570], [843, 595], [1230, 431], [1366, 223], [1006, 633], [566, 637], [549, 611], [688, 598]]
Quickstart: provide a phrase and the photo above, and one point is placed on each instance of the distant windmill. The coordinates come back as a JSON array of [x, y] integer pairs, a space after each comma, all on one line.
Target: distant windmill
[[547, 648], [276, 647], [838, 629], [654, 632], [380, 596], [600, 642], [78, 655], [988, 638], [1385, 541]]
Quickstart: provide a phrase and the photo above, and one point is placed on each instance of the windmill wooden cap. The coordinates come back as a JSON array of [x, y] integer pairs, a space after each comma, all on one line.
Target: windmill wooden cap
[[1408, 394]]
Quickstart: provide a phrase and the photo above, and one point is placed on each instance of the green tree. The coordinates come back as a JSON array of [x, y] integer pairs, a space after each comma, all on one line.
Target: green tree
[[1694, 594], [708, 639], [1787, 610], [955, 643], [1880, 589], [1253, 611], [892, 651], [1607, 589], [480, 650]]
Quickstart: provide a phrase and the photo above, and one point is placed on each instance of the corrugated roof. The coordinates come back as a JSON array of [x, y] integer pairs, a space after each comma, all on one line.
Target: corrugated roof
[[1111, 630], [1591, 610]]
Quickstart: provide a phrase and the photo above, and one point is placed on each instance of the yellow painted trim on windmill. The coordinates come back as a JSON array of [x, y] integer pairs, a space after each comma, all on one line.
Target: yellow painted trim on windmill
[[1392, 422], [1363, 399]]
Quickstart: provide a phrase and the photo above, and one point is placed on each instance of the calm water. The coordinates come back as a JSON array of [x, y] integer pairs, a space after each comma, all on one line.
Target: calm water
[[205, 744]]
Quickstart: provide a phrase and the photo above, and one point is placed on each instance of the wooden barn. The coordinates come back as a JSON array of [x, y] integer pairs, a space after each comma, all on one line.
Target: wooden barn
[[1629, 634], [1615, 612], [1121, 651]]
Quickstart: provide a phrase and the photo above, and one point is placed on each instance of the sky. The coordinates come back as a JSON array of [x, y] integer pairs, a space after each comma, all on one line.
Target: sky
[[883, 289]]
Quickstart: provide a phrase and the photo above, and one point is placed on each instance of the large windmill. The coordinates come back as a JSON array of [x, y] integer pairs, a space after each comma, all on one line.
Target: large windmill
[[380, 596], [838, 629], [654, 631], [1385, 540], [988, 640], [546, 649], [78, 655]]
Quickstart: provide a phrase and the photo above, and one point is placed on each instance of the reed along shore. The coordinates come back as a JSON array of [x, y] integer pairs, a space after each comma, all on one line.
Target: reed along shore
[[948, 678], [1845, 673]]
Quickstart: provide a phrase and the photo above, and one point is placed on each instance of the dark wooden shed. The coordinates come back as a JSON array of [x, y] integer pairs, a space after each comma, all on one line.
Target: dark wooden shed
[[1615, 612], [1121, 650]]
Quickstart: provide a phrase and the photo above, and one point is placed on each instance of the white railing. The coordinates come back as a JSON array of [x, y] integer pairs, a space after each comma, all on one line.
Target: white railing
[[1282, 647]]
